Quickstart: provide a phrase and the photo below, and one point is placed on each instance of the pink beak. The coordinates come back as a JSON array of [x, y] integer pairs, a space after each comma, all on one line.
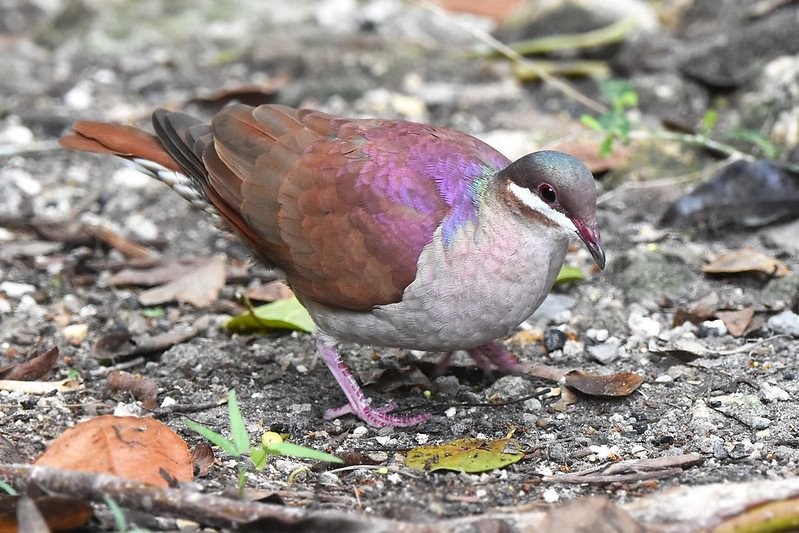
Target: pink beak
[[593, 241]]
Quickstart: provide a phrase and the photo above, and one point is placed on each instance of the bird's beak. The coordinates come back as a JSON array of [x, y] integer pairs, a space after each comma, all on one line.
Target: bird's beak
[[589, 234]]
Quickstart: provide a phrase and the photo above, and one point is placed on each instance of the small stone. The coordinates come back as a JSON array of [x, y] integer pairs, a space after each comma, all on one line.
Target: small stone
[[664, 378], [448, 384], [772, 393], [573, 348], [719, 451], [422, 438], [532, 405], [759, 422], [508, 387], [449, 413], [16, 134], [550, 496], [715, 328], [16, 290], [359, 432], [75, 333], [168, 401], [643, 326], [606, 352], [786, 323], [557, 452], [554, 339], [598, 335]]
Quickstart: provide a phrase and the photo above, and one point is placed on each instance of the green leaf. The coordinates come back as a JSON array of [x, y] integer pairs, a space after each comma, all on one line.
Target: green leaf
[[215, 438], [295, 450], [591, 122], [259, 457], [466, 455], [280, 314], [569, 274], [238, 428], [8, 489]]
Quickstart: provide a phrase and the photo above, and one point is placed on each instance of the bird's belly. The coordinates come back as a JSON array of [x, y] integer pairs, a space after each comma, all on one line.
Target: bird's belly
[[464, 295]]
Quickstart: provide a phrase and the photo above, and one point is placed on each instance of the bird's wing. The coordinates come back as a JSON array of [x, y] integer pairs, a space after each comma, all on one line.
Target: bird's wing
[[343, 207]]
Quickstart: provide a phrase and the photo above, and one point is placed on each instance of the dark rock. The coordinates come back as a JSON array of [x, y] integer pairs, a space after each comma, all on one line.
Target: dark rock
[[554, 339], [743, 194]]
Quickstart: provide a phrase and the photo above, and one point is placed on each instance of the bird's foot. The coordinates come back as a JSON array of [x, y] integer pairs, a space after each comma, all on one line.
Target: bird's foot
[[497, 355], [488, 357], [376, 416], [358, 404]]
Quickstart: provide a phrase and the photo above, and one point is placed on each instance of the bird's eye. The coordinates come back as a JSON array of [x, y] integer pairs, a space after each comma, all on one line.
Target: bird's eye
[[547, 193]]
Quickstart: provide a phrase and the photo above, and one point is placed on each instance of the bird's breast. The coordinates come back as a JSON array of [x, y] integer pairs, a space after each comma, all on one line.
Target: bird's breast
[[470, 291]]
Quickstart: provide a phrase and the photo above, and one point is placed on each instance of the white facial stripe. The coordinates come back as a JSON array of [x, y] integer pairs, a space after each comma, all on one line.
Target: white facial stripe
[[534, 202]]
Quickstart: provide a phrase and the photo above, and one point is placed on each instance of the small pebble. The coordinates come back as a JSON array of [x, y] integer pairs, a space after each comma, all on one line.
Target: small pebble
[[449, 413], [554, 339], [759, 422], [359, 432], [715, 328], [643, 326], [16, 290], [573, 348], [550, 496], [786, 323], [75, 333], [422, 438], [773, 393], [168, 401], [599, 335], [606, 352]]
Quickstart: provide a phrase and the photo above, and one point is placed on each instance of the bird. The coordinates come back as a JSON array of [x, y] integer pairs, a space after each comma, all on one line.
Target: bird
[[392, 233]]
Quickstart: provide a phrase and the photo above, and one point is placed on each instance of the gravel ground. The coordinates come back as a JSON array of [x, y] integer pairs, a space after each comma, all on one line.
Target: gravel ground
[[733, 403]]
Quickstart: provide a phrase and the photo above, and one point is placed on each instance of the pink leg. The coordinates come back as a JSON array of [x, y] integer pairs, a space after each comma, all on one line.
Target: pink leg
[[494, 353], [358, 403], [443, 364]]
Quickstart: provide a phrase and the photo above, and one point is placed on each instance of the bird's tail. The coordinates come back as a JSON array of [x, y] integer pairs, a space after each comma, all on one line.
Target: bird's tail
[[173, 155]]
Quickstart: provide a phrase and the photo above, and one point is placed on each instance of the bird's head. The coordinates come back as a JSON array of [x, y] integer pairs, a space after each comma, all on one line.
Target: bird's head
[[560, 188]]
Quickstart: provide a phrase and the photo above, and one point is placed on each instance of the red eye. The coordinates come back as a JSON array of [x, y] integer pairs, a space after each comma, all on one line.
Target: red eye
[[547, 193]]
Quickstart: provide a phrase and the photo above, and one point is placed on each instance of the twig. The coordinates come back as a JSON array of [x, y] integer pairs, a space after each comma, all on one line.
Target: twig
[[631, 470], [517, 58], [203, 508], [610, 34]]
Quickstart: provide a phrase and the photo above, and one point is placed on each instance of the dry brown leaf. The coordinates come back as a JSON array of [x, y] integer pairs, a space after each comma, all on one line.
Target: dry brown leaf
[[746, 261], [130, 447], [269, 292], [567, 398], [143, 389], [737, 322], [621, 384], [34, 368], [152, 273], [199, 287], [202, 458], [125, 246], [249, 94]]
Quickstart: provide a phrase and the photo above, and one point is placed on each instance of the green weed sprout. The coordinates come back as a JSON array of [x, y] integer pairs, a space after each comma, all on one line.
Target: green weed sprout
[[238, 445]]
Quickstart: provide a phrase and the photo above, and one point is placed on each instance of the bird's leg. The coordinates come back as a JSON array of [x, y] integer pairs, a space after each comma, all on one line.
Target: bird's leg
[[358, 404], [494, 353]]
